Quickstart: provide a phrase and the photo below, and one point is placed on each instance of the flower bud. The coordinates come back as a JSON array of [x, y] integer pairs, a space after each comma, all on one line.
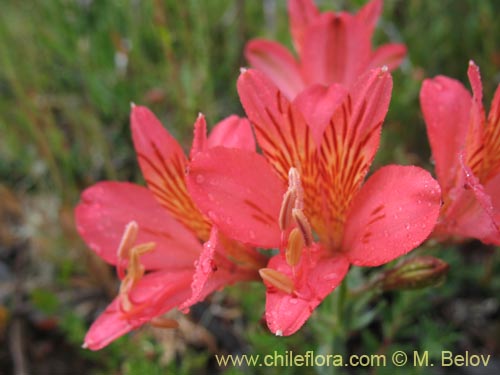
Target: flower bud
[[415, 273]]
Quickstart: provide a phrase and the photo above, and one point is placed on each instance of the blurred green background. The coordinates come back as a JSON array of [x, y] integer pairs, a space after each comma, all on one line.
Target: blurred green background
[[69, 70]]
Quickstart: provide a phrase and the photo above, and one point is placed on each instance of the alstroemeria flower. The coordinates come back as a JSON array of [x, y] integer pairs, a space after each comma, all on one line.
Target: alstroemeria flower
[[331, 48], [167, 253], [466, 149], [306, 195]]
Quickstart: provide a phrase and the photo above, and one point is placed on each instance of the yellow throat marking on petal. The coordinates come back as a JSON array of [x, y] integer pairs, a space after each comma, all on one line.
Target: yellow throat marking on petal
[[484, 159]]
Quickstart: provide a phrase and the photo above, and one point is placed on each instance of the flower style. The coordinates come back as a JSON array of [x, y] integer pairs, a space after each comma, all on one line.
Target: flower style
[[306, 195], [331, 48], [161, 258], [466, 149]]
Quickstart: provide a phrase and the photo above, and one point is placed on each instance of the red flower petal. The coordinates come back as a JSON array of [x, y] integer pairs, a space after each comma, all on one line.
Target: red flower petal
[[473, 212], [163, 165], [349, 144], [107, 207], [492, 188], [301, 14], [239, 192], [160, 291], [492, 139], [390, 55], [233, 132], [368, 16], [280, 128], [205, 267], [446, 106], [317, 276], [475, 136], [393, 213], [213, 273], [317, 104], [494, 115], [277, 63], [335, 50], [199, 136]]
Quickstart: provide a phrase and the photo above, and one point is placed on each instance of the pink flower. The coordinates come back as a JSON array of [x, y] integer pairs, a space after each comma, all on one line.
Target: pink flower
[[331, 48], [306, 194], [466, 149], [161, 258]]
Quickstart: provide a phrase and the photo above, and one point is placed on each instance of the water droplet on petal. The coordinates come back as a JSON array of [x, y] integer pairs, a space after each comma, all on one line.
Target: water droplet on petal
[[200, 179], [212, 215], [330, 277], [210, 197], [293, 301], [407, 226], [206, 265], [251, 233]]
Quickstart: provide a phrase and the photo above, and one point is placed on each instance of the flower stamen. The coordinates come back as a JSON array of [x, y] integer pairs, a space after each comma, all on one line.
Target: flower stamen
[[277, 279], [294, 247], [285, 218], [135, 269], [303, 225], [295, 184]]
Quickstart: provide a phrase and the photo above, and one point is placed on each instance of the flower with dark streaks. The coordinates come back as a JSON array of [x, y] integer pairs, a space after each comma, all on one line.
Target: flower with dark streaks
[[170, 255], [306, 196], [331, 48], [466, 149]]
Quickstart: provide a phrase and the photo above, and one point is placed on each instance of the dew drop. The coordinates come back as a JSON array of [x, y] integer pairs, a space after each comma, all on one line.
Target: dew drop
[[293, 301], [407, 226], [200, 179], [95, 246], [251, 233], [211, 197], [206, 265], [330, 277], [212, 215]]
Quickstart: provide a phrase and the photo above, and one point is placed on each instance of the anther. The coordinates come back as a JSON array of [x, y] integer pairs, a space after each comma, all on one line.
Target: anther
[[135, 270], [128, 239], [303, 225], [285, 218], [277, 279], [294, 183], [294, 248]]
